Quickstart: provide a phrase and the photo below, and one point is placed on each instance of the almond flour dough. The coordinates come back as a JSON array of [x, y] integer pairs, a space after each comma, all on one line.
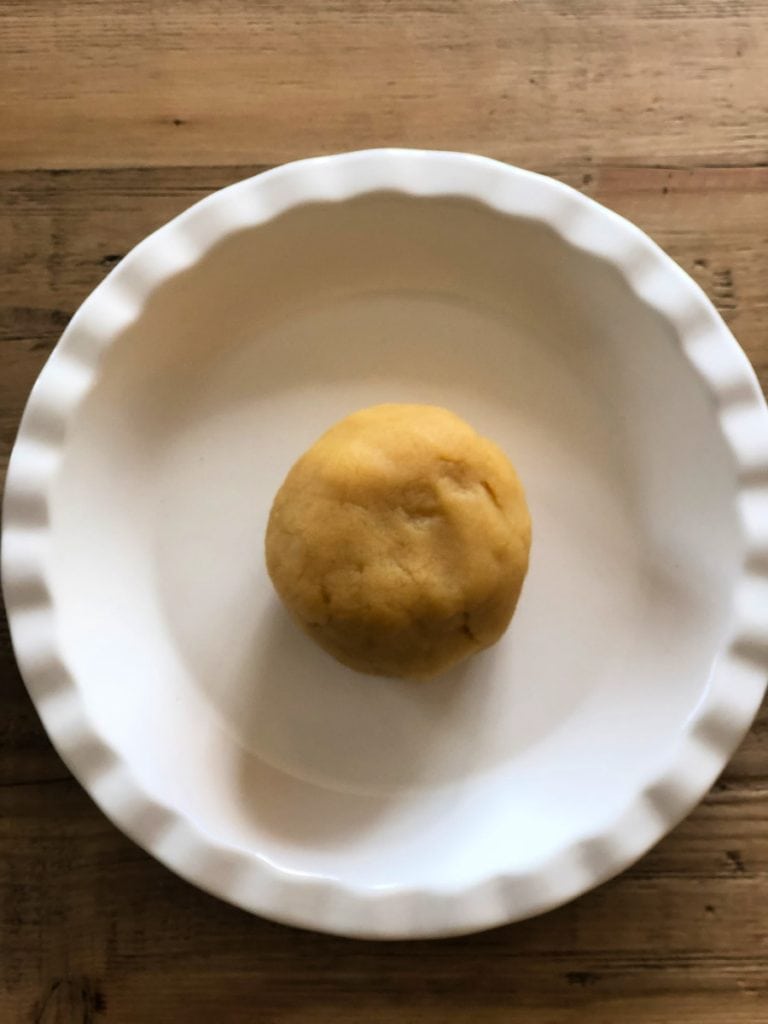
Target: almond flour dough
[[399, 541]]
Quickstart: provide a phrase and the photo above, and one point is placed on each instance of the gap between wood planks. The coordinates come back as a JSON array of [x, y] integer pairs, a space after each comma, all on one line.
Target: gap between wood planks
[[260, 166]]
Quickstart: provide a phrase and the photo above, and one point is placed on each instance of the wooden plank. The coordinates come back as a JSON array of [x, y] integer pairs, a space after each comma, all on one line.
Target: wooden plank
[[136, 83], [152, 944], [637, 938]]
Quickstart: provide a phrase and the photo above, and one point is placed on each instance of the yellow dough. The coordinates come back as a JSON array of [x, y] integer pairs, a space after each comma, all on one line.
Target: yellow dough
[[399, 541]]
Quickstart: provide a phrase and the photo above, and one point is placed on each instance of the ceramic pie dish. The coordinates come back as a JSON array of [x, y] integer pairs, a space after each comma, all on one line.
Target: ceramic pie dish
[[216, 735]]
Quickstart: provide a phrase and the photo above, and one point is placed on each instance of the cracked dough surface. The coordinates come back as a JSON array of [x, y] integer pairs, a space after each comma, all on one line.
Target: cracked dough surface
[[399, 541]]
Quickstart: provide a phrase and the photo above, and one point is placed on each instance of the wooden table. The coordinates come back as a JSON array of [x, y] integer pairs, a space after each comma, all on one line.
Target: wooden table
[[116, 116]]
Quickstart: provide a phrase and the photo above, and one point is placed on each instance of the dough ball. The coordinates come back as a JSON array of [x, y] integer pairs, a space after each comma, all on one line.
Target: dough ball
[[399, 541]]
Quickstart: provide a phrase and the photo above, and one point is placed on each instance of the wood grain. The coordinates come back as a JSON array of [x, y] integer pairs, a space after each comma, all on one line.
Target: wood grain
[[104, 84], [659, 110]]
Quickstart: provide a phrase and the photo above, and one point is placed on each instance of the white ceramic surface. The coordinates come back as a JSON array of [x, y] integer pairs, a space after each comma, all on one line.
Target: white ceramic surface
[[219, 737]]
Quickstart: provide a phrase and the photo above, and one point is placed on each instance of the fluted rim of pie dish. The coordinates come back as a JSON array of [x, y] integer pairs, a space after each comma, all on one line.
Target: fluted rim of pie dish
[[242, 876]]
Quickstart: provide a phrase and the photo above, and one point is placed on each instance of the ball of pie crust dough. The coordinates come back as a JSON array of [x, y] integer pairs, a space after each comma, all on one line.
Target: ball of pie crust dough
[[399, 541]]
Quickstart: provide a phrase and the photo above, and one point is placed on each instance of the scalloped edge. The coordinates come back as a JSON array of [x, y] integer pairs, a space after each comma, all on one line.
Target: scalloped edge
[[708, 738]]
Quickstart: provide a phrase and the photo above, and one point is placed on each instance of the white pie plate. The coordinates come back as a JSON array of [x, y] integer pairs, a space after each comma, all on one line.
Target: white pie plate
[[214, 733]]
